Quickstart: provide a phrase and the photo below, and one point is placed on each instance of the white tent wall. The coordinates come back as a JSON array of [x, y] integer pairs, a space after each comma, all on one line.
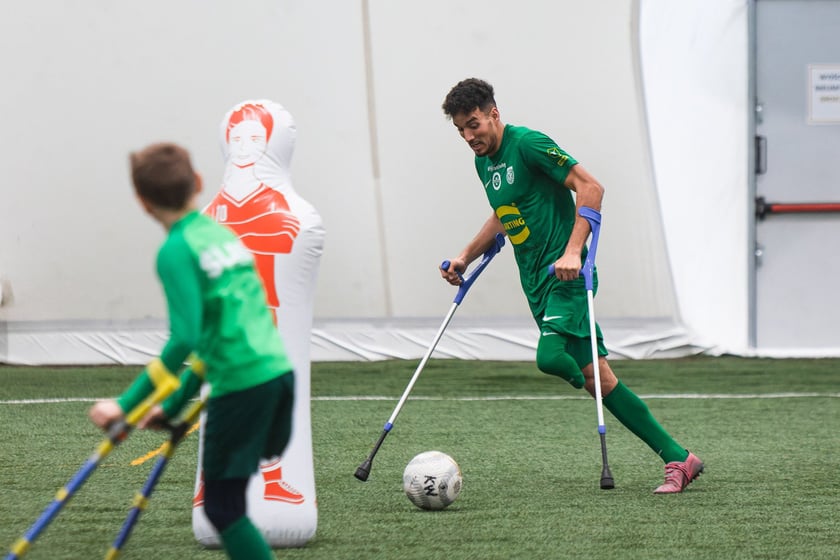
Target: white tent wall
[[88, 83], [390, 176], [695, 69], [586, 99]]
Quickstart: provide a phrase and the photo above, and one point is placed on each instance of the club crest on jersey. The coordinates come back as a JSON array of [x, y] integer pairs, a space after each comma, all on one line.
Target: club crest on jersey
[[513, 223], [555, 153], [509, 175]]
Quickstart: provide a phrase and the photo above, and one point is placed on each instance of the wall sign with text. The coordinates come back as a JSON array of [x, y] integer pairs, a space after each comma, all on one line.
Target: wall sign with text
[[823, 93]]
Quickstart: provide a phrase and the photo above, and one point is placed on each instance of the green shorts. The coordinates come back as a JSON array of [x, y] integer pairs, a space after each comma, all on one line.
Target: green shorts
[[567, 315], [245, 426]]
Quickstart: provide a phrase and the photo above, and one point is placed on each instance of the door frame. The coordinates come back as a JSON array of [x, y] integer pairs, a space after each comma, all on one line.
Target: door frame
[[752, 191]]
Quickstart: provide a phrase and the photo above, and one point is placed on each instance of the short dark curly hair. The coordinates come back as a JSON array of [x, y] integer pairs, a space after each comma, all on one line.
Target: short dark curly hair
[[468, 95]]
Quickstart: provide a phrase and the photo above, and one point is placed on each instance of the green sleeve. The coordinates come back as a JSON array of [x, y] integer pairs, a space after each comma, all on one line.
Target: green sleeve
[[182, 284], [541, 152], [136, 392]]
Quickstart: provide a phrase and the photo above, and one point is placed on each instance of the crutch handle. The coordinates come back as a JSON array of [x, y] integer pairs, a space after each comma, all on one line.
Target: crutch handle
[[467, 281], [594, 218]]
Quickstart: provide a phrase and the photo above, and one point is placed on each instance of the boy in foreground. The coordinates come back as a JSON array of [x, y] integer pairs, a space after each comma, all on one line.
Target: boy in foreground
[[529, 181], [219, 319]]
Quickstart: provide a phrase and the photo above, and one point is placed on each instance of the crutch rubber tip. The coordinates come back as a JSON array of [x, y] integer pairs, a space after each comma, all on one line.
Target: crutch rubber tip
[[363, 472], [607, 482]]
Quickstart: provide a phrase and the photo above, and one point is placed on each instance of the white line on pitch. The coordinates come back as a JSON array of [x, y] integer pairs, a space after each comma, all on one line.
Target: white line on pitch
[[674, 396], [50, 401], [576, 397]]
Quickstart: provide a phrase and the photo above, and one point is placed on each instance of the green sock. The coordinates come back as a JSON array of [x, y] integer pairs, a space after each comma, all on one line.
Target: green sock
[[631, 411], [243, 541]]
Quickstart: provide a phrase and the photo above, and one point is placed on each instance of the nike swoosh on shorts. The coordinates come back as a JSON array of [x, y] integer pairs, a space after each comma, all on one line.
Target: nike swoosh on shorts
[[551, 318]]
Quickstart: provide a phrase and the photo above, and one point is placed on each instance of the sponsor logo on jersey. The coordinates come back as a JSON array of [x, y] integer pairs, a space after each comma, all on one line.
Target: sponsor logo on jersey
[[215, 260], [497, 181], [514, 223]]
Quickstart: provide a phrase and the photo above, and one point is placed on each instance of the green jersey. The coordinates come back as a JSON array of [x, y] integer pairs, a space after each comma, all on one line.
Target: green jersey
[[217, 307], [524, 183], [217, 312]]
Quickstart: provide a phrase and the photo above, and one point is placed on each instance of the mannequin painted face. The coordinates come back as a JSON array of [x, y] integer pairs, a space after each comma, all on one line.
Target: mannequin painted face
[[247, 133], [257, 139], [247, 142]]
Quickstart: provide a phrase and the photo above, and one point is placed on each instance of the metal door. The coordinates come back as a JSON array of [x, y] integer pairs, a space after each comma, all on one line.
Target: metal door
[[797, 174]]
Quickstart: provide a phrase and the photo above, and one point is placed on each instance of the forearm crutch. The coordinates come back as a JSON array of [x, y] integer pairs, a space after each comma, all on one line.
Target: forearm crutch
[[141, 500], [363, 471], [116, 435], [594, 218]]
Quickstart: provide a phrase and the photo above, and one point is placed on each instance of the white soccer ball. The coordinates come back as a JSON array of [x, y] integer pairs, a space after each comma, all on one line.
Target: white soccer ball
[[432, 480]]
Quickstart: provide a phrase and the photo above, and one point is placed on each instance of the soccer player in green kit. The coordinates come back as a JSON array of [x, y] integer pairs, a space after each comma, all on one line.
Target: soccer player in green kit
[[219, 321], [529, 182]]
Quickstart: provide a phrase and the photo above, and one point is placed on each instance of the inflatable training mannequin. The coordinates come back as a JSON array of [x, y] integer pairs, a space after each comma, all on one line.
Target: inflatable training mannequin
[[286, 236]]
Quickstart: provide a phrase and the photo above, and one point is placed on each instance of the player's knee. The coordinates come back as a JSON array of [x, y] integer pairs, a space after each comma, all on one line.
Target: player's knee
[[224, 501], [555, 361]]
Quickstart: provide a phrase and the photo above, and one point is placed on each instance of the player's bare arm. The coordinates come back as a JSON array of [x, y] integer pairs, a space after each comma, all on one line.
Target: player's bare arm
[[484, 239], [588, 192]]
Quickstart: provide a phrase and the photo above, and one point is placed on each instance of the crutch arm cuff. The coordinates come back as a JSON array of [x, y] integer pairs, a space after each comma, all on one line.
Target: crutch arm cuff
[[162, 378], [151, 387], [191, 380], [139, 389], [158, 395]]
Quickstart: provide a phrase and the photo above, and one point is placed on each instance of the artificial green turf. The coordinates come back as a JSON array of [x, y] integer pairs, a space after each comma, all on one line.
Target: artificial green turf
[[531, 467]]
